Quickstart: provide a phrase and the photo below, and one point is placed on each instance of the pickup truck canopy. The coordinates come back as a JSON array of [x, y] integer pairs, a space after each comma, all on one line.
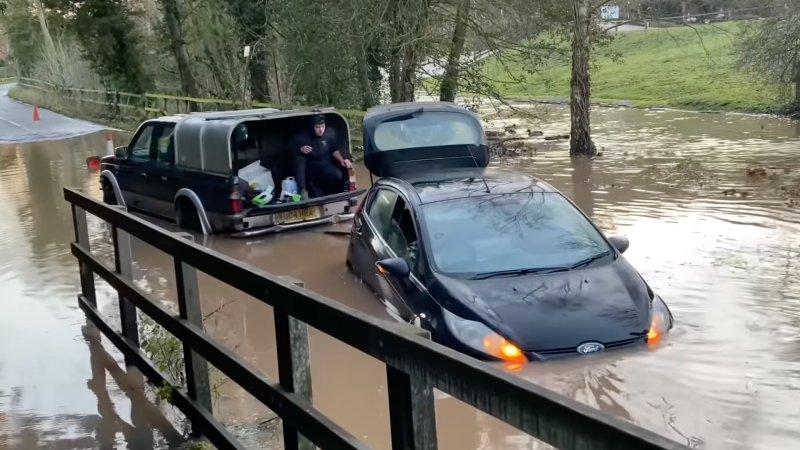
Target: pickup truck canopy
[[405, 139], [204, 141]]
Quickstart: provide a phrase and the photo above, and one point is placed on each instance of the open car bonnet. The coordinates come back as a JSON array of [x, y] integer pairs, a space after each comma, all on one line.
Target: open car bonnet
[[404, 139]]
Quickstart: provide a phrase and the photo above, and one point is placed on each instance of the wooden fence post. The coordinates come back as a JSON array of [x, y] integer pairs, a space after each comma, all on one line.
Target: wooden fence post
[[197, 380], [82, 240], [294, 366], [123, 261], [412, 413]]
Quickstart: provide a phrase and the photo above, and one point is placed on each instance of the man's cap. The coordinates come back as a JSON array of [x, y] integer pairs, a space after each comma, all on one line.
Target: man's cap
[[319, 119]]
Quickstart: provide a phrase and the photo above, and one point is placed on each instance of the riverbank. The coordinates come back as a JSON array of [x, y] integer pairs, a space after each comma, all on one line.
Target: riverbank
[[683, 68]]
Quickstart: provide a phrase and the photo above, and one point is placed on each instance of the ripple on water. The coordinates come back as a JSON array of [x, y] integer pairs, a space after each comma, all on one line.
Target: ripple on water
[[720, 247]]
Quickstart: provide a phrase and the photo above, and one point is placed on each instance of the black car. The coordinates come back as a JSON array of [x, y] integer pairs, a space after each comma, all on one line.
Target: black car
[[495, 264]]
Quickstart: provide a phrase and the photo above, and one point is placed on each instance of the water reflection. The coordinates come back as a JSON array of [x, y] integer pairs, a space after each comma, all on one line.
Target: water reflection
[[582, 184], [54, 388]]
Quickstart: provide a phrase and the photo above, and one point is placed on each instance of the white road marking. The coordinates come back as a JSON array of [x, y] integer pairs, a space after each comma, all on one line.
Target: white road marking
[[17, 125]]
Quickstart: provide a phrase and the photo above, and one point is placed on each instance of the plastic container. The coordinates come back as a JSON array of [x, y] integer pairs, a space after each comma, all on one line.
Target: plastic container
[[289, 185]]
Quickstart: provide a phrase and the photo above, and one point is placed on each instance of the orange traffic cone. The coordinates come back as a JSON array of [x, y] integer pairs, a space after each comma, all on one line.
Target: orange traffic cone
[[109, 143], [36, 114]]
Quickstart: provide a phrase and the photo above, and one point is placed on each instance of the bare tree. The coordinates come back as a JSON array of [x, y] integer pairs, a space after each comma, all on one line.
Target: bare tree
[[450, 78], [173, 22], [580, 140], [771, 48]]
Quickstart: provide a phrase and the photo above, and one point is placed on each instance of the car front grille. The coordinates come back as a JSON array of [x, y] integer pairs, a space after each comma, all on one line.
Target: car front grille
[[556, 352]]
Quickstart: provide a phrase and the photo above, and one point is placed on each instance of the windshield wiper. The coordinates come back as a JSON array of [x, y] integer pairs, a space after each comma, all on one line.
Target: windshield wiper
[[500, 273], [591, 259]]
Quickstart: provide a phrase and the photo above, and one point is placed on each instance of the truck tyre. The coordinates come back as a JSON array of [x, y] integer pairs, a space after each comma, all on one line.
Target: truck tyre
[[186, 216]]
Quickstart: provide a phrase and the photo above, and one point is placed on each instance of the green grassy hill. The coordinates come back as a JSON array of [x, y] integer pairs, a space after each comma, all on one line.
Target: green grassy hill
[[677, 67]]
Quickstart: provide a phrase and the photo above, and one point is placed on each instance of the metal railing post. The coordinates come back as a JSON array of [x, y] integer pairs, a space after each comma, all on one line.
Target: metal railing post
[[197, 380], [412, 414], [123, 262], [294, 367]]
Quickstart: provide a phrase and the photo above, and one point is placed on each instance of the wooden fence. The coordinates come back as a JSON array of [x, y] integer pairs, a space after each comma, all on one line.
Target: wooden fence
[[140, 106], [414, 364]]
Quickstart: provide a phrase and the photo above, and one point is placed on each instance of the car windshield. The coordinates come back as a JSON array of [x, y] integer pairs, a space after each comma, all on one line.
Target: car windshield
[[520, 231], [429, 129]]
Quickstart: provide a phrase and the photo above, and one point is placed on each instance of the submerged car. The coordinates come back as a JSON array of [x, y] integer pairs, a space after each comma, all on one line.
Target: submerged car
[[495, 264], [222, 172]]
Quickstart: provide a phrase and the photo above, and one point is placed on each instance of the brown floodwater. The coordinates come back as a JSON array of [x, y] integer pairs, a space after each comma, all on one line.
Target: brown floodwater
[[717, 241]]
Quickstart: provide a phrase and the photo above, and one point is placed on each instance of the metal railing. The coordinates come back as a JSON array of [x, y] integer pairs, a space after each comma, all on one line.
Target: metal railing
[[414, 364]]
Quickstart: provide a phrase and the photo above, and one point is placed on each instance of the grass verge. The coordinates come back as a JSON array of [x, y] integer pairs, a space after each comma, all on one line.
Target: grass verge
[[688, 68], [70, 109]]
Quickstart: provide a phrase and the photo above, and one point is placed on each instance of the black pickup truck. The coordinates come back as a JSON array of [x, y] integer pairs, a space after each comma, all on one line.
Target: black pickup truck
[[186, 168]]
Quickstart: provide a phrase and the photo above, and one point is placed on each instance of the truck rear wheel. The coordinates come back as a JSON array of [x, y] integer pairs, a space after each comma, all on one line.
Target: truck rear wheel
[[186, 216]]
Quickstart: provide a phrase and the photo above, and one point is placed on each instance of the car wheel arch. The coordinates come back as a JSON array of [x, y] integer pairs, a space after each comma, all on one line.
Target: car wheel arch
[[108, 177], [185, 197]]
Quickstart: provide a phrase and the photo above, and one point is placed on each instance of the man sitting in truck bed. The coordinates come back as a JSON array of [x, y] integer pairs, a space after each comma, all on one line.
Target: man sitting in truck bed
[[319, 160]]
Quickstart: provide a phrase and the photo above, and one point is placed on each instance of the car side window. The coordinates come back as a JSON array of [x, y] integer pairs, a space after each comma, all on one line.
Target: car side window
[[380, 209], [140, 149], [401, 235]]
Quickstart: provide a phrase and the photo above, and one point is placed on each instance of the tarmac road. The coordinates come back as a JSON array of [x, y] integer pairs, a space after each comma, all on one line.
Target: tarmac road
[[17, 124]]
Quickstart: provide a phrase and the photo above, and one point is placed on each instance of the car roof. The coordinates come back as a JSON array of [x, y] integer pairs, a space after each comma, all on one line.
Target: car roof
[[413, 106], [456, 184]]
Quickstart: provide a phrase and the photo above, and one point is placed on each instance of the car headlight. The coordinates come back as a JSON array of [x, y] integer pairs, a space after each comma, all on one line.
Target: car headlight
[[479, 337], [660, 321]]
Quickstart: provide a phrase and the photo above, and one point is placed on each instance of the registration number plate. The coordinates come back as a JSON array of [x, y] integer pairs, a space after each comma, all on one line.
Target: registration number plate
[[297, 215]]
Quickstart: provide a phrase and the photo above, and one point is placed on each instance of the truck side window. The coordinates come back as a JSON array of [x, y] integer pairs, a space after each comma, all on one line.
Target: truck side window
[[140, 149], [166, 145]]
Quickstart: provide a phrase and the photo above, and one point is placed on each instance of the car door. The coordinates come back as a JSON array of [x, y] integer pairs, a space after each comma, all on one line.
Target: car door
[[371, 247], [402, 241], [132, 175], [163, 183]]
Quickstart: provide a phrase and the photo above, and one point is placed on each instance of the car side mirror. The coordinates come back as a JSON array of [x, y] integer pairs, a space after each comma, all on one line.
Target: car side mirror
[[121, 152], [397, 267], [621, 243]]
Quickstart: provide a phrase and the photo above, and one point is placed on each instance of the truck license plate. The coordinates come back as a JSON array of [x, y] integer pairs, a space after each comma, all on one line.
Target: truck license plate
[[297, 215]]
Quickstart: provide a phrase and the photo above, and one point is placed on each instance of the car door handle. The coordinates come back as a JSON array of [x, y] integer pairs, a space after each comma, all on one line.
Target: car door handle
[[164, 178], [144, 174]]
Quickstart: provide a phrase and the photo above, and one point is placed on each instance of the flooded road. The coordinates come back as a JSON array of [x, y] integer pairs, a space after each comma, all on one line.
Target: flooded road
[[17, 122], [717, 241]]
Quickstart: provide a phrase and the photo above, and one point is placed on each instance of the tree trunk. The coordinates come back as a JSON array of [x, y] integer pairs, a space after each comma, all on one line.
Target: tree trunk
[[367, 97], [172, 19], [259, 71], [395, 78], [410, 22], [580, 140], [279, 83], [797, 90], [797, 83], [409, 74], [447, 92], [48, 39]]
